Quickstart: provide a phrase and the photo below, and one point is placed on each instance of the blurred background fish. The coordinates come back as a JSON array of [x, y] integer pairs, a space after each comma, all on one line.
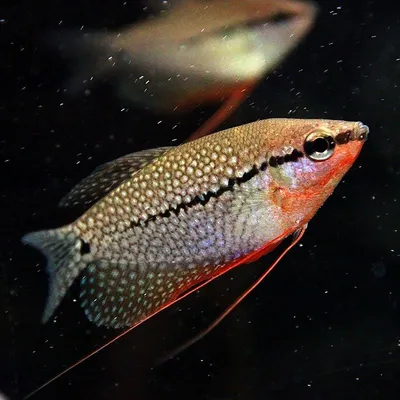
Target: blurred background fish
[[195, 52]]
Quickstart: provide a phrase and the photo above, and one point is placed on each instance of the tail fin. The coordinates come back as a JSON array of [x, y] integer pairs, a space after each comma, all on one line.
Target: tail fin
[[62, 249], [90, 55]]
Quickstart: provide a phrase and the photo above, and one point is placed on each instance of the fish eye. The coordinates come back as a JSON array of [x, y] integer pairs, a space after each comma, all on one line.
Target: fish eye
[[280, 18], [319, 146]]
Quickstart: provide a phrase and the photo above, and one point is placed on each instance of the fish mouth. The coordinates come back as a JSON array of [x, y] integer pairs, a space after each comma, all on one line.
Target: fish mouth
[[358, 133], [357, 139], [361, 131]]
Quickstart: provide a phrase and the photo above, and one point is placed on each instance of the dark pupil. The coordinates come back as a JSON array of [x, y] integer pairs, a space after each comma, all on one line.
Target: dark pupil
[[320, 145], [280, 17]]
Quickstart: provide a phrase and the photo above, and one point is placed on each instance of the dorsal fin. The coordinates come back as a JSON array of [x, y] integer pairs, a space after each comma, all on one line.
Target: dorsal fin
[[108, 176]]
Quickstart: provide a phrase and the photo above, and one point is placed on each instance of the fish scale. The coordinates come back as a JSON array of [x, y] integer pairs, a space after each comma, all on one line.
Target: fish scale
[[183, 173], [191, 213], [195, 245]]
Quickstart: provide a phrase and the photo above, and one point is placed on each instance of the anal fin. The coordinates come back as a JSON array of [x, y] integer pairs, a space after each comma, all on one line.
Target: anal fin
[[123, 294]]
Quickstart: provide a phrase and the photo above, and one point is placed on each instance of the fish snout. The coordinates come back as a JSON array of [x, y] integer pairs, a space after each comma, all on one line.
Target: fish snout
[[361, 132]]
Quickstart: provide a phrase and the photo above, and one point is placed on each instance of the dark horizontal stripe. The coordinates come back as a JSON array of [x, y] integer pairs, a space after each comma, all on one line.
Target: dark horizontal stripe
[[203, 199]]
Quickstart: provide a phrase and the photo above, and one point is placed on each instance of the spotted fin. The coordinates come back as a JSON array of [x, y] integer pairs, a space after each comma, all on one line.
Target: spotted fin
[[108, 176], [62, 250], [118, 295]]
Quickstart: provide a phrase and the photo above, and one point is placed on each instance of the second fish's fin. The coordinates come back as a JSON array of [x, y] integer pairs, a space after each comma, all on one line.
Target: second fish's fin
[[90, 55]]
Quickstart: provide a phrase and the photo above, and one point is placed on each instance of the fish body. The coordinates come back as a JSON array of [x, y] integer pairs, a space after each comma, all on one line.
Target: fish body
[[170, 218], [195, 53]]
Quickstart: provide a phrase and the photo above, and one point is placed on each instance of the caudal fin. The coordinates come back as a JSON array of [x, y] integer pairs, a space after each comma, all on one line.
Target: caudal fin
[[64, 262], [89, 54]]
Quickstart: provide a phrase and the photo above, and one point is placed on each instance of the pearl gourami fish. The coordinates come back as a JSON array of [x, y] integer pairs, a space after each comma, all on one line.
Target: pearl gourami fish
[[165, 222], [196, 52], [166, 219]]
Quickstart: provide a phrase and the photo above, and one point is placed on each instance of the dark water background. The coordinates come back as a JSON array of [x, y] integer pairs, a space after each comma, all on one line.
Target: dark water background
[[324, 325]]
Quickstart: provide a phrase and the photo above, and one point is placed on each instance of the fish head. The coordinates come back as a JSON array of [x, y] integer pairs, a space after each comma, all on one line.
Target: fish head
[[309, 159], [229, 40]]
